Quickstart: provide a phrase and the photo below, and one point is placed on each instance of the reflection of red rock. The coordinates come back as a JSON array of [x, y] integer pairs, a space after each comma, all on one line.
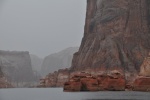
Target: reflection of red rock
[[142, 84]]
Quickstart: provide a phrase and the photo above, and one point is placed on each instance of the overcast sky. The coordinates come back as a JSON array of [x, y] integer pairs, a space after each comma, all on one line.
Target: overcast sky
[[41, 27]]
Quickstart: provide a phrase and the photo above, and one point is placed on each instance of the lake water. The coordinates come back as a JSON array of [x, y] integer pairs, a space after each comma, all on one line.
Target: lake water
[[58, 94]]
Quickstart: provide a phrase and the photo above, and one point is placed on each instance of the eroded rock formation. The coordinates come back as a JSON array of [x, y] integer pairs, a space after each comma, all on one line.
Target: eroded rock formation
[[116, 38], [87, 82]]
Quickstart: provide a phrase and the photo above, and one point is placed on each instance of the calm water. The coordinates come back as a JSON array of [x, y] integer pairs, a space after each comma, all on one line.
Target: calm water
[[58, 94]]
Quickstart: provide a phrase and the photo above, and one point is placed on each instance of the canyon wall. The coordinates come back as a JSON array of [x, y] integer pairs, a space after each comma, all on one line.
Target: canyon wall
[[116, 36], [16, 67], [115, 50], [58, 60]]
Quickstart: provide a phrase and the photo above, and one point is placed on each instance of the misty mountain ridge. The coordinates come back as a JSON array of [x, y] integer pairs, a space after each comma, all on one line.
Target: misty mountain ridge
[[58, 60]]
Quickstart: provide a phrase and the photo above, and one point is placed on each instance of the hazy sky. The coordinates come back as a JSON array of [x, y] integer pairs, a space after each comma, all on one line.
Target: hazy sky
[[41, 27]]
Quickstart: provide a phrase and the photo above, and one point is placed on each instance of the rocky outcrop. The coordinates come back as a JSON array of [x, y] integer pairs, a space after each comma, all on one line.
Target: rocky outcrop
[[87, 82], [141, 84], [60, 60], [16, 67], [116, 37], [56, 79], [145, 67]]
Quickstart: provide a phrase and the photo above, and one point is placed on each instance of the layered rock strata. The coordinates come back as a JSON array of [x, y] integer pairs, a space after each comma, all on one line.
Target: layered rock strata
[[87, 82]]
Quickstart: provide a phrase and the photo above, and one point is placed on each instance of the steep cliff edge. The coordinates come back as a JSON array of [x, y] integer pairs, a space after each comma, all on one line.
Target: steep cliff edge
[[116, 36], [115, 50], [16, 67]]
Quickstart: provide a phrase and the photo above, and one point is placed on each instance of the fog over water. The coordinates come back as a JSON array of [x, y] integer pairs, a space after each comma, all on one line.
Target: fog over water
[[41, 27]]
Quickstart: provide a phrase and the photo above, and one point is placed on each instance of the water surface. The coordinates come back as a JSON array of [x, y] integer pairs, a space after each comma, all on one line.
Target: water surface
[[58, 94]]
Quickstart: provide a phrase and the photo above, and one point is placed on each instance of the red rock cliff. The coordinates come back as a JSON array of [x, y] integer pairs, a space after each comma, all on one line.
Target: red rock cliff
[[116, 36], [116, 39]]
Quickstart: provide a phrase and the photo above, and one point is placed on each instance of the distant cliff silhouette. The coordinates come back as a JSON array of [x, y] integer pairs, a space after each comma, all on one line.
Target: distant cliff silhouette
[[60, 60]]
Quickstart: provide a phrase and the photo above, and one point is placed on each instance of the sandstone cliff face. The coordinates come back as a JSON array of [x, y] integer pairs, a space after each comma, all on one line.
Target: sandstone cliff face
[[116, 36], [58, 60], [16, 67], [87, 82], [116, 39]]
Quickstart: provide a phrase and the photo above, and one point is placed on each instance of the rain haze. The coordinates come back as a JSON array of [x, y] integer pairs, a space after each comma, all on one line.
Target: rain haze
[[41, 27]]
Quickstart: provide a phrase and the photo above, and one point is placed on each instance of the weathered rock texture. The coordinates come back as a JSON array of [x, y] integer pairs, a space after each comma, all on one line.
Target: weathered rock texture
[[16, 67], [116, 36], [142, 84], [56, 61], [87, 82], [56, 79]]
